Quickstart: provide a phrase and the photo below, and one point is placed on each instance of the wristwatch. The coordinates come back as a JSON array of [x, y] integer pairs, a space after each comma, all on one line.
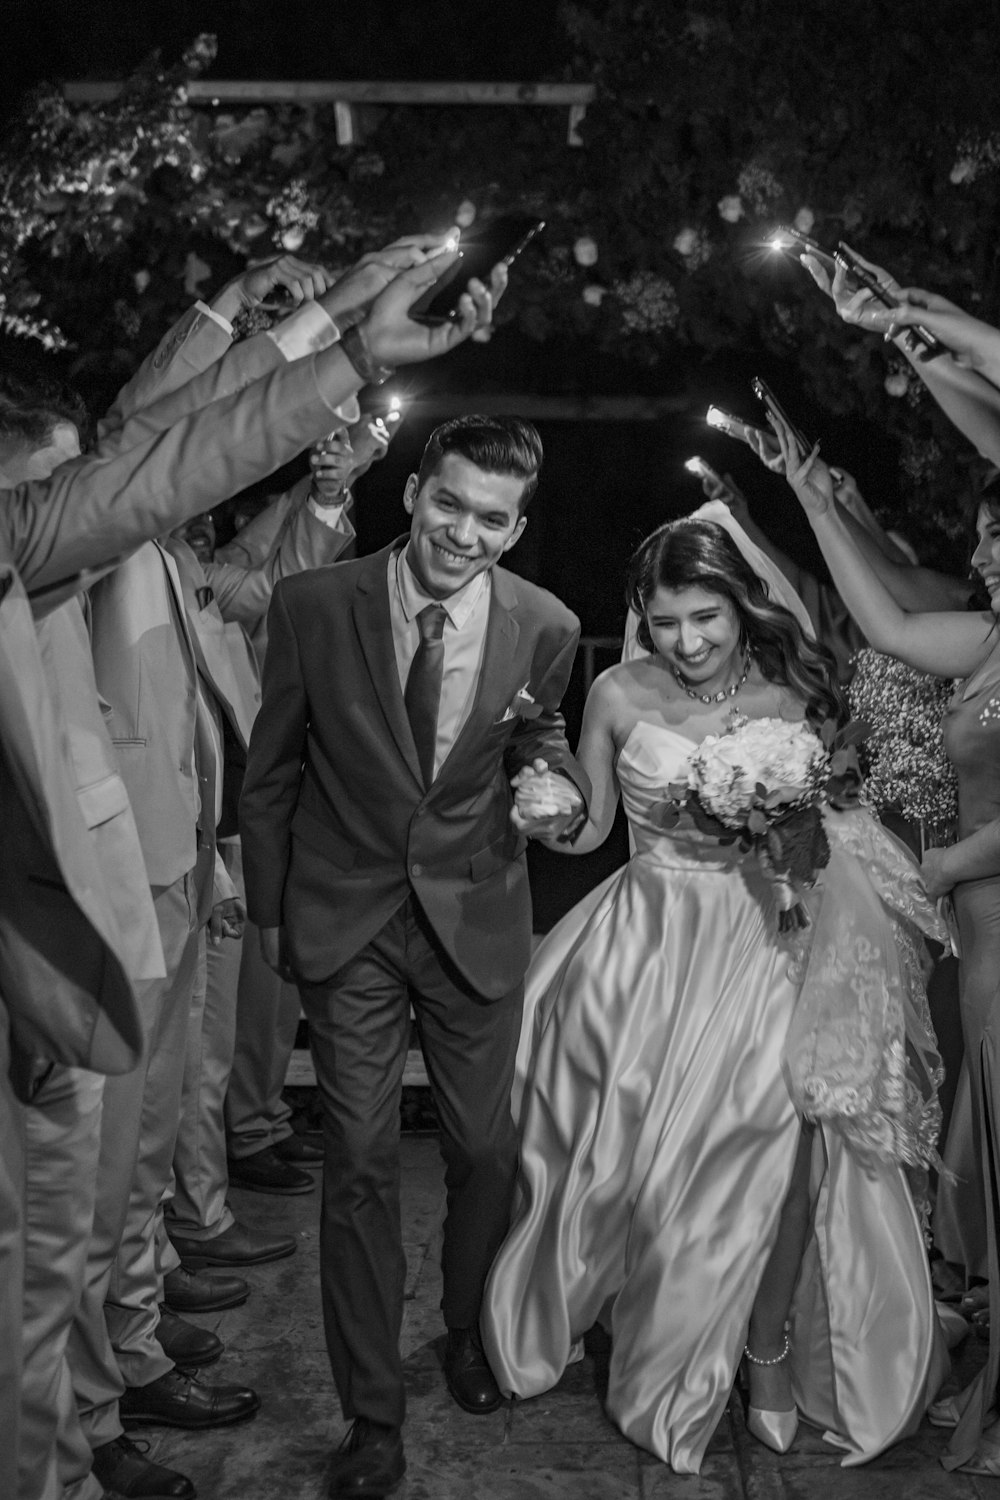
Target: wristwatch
[[352, 342]]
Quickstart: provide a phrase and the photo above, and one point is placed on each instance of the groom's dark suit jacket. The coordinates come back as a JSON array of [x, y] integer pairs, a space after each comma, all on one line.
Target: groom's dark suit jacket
[[337, 825]]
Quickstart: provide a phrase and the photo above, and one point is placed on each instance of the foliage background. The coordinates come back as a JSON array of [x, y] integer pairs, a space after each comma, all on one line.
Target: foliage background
[[715, 120]]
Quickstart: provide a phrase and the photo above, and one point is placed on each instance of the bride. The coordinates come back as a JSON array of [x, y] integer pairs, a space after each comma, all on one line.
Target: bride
[[715, 1120]]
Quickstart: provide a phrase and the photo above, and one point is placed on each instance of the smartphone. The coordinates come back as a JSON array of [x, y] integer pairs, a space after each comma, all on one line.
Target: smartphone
[[501, 239], [735, 427], [764, 393], [787, 237], [703, 470], [932, 346]]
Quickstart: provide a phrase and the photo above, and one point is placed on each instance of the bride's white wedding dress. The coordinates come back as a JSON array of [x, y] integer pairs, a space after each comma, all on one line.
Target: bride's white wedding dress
[[659, 1135]]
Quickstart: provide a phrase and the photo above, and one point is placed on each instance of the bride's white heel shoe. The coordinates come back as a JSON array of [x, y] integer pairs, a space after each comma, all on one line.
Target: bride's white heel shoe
[[775, 1429]]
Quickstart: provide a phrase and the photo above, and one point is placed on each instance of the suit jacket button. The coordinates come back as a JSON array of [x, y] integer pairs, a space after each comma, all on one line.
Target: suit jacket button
[[416, 870]]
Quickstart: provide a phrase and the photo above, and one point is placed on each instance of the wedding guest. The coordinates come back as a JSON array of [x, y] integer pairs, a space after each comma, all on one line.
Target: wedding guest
[[961, 645]]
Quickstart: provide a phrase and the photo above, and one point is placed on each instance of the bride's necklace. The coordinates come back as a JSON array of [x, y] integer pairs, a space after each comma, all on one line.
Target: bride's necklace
[[723, 693]]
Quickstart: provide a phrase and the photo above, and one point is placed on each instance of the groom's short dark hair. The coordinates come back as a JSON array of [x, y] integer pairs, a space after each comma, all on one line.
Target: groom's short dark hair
[[499, 445]]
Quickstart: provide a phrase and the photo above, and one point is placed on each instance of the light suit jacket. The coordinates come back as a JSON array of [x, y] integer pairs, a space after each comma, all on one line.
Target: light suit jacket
[[63, 974], [157, 628]]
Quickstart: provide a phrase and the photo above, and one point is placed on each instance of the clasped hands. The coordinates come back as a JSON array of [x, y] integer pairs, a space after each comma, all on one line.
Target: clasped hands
[[546, 803]]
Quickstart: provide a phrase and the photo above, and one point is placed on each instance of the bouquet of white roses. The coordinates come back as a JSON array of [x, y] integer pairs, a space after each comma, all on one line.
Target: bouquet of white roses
[[762, 783]]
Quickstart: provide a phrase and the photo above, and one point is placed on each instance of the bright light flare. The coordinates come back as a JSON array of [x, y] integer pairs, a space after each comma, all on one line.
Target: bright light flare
[[716, 417]]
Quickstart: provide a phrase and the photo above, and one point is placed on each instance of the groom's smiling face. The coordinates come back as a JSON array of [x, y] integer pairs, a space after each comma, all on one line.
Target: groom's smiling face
[[461, 522]]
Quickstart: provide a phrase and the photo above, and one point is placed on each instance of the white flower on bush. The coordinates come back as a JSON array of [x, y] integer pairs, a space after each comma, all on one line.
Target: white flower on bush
[[726, 769], [896, 383], [962, 171], [293, 237], [594, 295], [585, 251], [686, 243], [142, 280], [731, 208], [465, 213], [804, 220]]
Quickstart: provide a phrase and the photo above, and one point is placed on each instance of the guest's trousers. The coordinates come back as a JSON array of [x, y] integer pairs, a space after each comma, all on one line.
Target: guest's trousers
[[196, 1202], [359, 1028], [62, 1134], [267, 1020], [113, 1340], [11, 1265]]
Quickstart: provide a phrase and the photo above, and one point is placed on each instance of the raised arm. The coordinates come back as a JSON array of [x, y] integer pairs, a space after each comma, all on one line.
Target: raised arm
[[943, 644], [93, 510], [965, 382]]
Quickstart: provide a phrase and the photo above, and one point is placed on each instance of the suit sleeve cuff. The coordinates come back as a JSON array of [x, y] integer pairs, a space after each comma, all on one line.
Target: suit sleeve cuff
[[305, 331], [209, 312]]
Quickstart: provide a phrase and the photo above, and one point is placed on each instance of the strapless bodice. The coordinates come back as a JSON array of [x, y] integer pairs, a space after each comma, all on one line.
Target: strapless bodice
[[652, 758]]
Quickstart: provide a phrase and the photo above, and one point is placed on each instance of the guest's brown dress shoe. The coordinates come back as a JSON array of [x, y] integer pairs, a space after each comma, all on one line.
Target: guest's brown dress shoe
[[236, 1246], [185, 1343], [267, 1172], [369, 1462], [186, 1291], [303, 1150], [180, 1400], [123, 1468], [470, 1379]]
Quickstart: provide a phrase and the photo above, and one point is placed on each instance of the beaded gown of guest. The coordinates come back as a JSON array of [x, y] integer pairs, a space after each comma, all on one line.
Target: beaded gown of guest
[[972, 739], [663, 1016]]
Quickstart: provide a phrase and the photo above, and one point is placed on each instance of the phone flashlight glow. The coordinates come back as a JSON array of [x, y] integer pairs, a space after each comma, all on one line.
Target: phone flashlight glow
[[717, 418], [694, 465]]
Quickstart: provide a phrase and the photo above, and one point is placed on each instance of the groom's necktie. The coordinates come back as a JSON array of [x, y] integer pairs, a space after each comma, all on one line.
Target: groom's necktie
[[423, 686]]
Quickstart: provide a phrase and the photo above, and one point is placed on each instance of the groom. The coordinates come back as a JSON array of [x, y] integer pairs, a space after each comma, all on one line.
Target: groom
[[384, 862]]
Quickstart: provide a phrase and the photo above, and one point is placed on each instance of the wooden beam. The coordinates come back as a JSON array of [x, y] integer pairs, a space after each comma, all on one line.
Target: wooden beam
[[548, 408], [323, 91]]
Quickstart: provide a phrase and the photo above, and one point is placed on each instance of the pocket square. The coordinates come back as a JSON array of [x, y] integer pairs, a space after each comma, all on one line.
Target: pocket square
[[521, 706]]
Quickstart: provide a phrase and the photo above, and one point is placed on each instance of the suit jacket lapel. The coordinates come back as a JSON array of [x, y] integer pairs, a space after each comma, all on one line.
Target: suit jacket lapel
[[374, 629]]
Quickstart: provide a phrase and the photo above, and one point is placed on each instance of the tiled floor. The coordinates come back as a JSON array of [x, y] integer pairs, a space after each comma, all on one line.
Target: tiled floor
[[558, 1447]]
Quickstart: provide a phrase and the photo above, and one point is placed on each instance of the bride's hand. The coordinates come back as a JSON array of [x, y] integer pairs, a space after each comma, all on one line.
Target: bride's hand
[[807, 474]]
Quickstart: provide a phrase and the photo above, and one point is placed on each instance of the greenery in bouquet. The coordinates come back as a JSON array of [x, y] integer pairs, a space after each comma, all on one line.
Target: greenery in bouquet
[[904, 761], [762, 784]]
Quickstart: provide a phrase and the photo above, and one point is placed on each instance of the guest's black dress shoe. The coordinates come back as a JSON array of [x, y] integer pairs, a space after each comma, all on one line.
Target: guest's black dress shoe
[[180, 1400], [236, 1246], [185, 1343], [266, 1172], [470, 1379], [123, 1468], [185, 1291], [369, 1462], [302, 1150]]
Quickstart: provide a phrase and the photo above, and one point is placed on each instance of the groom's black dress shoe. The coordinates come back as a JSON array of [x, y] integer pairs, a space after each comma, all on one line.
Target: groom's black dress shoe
[[369, 1462], [469, 1377]]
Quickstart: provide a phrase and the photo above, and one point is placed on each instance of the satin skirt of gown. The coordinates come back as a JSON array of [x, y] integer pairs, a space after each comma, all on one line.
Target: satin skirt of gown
[[658, 1139]]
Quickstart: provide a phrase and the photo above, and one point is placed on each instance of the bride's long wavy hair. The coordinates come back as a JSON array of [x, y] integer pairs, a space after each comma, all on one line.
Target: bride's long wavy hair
[[692, 553]]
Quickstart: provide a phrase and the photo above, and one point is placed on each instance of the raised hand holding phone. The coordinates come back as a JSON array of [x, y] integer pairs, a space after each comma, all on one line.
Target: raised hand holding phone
[[806, 473], [500, 241]]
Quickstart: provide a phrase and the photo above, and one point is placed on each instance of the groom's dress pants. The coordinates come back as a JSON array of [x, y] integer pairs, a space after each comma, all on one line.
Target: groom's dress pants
[[359, 1027]]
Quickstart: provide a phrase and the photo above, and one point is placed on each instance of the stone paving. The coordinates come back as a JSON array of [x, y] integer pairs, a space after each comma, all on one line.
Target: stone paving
[[559, 1445]]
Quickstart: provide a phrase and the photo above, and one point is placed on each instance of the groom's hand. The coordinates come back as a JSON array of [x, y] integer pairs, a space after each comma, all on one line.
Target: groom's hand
[[272, 947], [546, 803]]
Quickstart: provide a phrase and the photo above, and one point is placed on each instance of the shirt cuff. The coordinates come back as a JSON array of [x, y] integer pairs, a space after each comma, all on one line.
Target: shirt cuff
[[210, 312], [305, 331], [334, 516]]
